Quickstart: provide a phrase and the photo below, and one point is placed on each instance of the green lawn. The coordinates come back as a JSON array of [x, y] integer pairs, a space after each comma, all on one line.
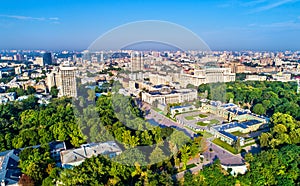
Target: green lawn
[[237, 133], [202, 115], [214, 121], [249, 139], [189, 117], [253, 143], [200, 123], [224, 145], [207, 134], [168, 116], [191, 166]]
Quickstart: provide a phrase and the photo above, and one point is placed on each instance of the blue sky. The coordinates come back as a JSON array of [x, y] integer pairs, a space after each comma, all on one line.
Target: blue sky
[[223, 25]]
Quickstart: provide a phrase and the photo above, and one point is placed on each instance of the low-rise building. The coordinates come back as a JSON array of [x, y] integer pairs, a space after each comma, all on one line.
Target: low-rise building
[[74, 157], [208, 75], [255, 78], [236, 169], [168, 96], [9, 171], [6, 97], [243, 121], [181, 109]]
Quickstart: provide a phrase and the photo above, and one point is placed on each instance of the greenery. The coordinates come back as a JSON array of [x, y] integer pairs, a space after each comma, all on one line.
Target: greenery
[[193, 116], [273, 167], [214, 121], [54, 92], [189, 117], [241, 76], [262, 97], [27, 123], [206, 134], [36, 163], [5, 79], [202, 115], [284, 130], [191, 166], [238, 133], [225, 145], [202, 123]]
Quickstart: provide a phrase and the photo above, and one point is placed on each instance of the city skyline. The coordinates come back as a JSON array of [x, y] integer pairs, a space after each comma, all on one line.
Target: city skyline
[[259, 25]]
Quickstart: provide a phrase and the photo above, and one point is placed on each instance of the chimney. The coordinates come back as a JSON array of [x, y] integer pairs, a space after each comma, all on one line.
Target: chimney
[[84, 151]]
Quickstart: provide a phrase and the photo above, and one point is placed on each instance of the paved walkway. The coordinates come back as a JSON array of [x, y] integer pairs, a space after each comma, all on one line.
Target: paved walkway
[[156, 118], [226, 157]]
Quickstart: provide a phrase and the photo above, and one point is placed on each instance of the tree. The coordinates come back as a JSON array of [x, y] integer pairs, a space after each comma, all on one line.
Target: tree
[[18, 91], [34, 163], [203, 145], [259, 109], [157, 155], [91, 95], [229, 96], [284, 130], [265, 139], [274, 167], [30, 90], [190, 86], [54, 91], [185, 154], [237, 145], [26, 181], [130, 156]]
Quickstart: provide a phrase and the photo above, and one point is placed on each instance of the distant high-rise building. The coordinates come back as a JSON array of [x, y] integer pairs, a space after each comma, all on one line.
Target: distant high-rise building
[[47, 58], [298, 87], [17, 57], [101, 57], [94, 59], [39, 61], [18, 70], [63, 77], [137, 62]]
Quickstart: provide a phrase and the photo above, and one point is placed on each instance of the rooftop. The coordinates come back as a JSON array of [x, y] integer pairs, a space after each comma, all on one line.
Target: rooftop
[[89, 150], [229, 135], [9, 170]]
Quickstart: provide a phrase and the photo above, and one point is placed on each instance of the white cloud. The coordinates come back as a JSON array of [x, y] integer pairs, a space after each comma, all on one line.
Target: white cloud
[[286, 25], [21, 17], [273, 5], [253, 3], [54, 18]]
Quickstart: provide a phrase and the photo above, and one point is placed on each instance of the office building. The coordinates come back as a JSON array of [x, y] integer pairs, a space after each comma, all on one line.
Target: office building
[[47, 58], [137, 62], [63, 77], [208, 75], [39, 61], [165, 95]]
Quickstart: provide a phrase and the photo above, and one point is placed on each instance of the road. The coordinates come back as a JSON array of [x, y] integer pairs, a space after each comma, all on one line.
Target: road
[[156, 118]]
